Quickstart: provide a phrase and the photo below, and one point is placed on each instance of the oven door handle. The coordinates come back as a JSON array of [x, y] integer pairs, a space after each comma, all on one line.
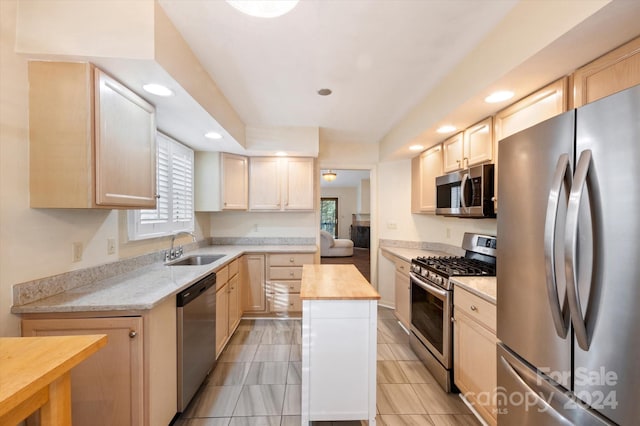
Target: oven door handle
[[430, 288]]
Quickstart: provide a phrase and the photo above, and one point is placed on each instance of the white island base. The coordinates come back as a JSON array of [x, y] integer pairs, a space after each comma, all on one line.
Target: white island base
[[339, 340]]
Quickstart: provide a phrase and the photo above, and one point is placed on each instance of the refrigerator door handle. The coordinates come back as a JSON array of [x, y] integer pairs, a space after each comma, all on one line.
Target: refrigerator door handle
[[571, 241], [561, 176], [524, 377]]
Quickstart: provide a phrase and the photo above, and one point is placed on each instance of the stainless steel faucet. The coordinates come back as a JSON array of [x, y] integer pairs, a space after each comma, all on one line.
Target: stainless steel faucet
[[175, 253]]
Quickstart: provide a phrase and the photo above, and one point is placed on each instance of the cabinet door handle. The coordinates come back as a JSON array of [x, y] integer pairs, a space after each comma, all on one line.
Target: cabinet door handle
[[132, 334], [291, 273], [473, 308], [291, 260], [158, 196]]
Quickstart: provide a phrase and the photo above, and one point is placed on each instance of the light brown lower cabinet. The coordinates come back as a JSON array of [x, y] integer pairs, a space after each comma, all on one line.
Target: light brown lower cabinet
[[228, 304], [133, 379], [252, 283], [474, 352], [402, 290]]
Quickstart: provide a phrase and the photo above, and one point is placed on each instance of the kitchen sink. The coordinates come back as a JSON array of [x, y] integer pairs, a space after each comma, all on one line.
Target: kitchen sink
[[201, 259]]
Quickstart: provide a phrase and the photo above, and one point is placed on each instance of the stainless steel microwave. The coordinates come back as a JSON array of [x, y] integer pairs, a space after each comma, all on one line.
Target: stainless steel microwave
[[467, 193]]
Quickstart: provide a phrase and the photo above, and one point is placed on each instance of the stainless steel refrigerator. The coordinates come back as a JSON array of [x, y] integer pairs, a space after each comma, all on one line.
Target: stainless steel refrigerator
[[568, 268]]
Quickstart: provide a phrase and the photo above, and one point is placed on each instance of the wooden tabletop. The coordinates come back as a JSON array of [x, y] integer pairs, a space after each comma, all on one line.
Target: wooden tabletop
[[335, 282], [30, 364]]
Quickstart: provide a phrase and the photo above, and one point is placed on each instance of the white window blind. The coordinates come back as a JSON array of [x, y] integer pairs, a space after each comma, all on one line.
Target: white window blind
[[174, 209]]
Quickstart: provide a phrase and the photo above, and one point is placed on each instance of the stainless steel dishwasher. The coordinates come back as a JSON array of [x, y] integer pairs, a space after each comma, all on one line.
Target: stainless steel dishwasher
[[196, 337]]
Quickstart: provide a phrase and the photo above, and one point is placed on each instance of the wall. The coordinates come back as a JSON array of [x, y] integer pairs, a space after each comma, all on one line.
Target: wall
[[346, 207], [36, 243], [364, 196], [268, 224]]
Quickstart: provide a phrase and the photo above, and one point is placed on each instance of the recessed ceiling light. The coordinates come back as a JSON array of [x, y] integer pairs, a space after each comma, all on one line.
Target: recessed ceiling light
[[448, 128], [157, 89], [264, 8], [281, 154], [213, 135], [416, 147], [499, 96], [324, 92]]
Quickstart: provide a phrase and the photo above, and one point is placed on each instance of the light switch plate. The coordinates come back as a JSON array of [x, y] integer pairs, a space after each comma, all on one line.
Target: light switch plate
[[76, 251], [111, 246]]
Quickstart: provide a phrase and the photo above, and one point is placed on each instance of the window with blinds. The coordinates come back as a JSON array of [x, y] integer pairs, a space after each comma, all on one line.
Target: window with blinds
[[174, 208]]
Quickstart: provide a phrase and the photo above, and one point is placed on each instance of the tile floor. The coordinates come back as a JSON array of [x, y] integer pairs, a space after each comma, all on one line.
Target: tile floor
[[257, 381]]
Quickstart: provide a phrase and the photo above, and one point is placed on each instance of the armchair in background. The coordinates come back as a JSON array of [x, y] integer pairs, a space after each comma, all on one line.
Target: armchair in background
[[331, 247]]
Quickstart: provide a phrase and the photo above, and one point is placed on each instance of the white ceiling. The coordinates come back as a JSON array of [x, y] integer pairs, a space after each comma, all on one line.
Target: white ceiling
[[380, 58], [384, 59]]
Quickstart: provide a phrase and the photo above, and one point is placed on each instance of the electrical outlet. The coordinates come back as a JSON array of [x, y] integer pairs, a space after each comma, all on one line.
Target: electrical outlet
[[111, 246], [76, 251], [392, 225]]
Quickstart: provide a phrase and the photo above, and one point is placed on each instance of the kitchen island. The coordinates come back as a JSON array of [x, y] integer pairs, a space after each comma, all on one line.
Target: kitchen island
[[339, 337], [35, 374]]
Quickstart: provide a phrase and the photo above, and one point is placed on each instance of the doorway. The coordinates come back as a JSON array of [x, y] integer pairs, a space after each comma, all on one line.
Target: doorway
[[345, 211], [329, 215]]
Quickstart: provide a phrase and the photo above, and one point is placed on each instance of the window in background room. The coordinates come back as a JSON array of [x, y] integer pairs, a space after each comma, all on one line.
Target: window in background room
[[174, 210], [329, 215]]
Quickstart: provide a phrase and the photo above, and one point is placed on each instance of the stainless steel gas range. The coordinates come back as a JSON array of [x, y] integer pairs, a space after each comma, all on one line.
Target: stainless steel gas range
[[432, 301]]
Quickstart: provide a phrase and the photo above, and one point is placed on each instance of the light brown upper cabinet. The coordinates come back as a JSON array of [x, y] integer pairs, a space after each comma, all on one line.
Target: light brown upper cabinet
[[281, 184], [222, 181], [478, 143], [453, 153], [611, 73], [468, 148], [425, 168], [545, 103], [92, 140]]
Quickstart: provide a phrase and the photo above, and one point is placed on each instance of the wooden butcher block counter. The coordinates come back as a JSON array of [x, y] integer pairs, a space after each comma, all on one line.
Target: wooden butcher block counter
[[339, 320], [35, 373]]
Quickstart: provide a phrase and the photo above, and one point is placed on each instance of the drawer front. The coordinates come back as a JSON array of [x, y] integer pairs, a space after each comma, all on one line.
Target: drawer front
[[291, 259], [285, 273], [402, 266], [477, 308], [286, 302], [234, 267], [340, 309], [222, 275], [284, 286]]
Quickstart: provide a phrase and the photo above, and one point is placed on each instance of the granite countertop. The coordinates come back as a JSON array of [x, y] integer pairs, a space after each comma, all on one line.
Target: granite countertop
[[410, 253], [484, 287], [146, 287]]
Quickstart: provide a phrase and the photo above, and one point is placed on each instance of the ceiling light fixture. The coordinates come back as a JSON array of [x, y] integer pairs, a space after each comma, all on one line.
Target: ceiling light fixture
[[264, 8], [281, 154], [499, 96], [329, 176], [324, 92], [416, 148], [213, 135], [448, 128], [157, 89]]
